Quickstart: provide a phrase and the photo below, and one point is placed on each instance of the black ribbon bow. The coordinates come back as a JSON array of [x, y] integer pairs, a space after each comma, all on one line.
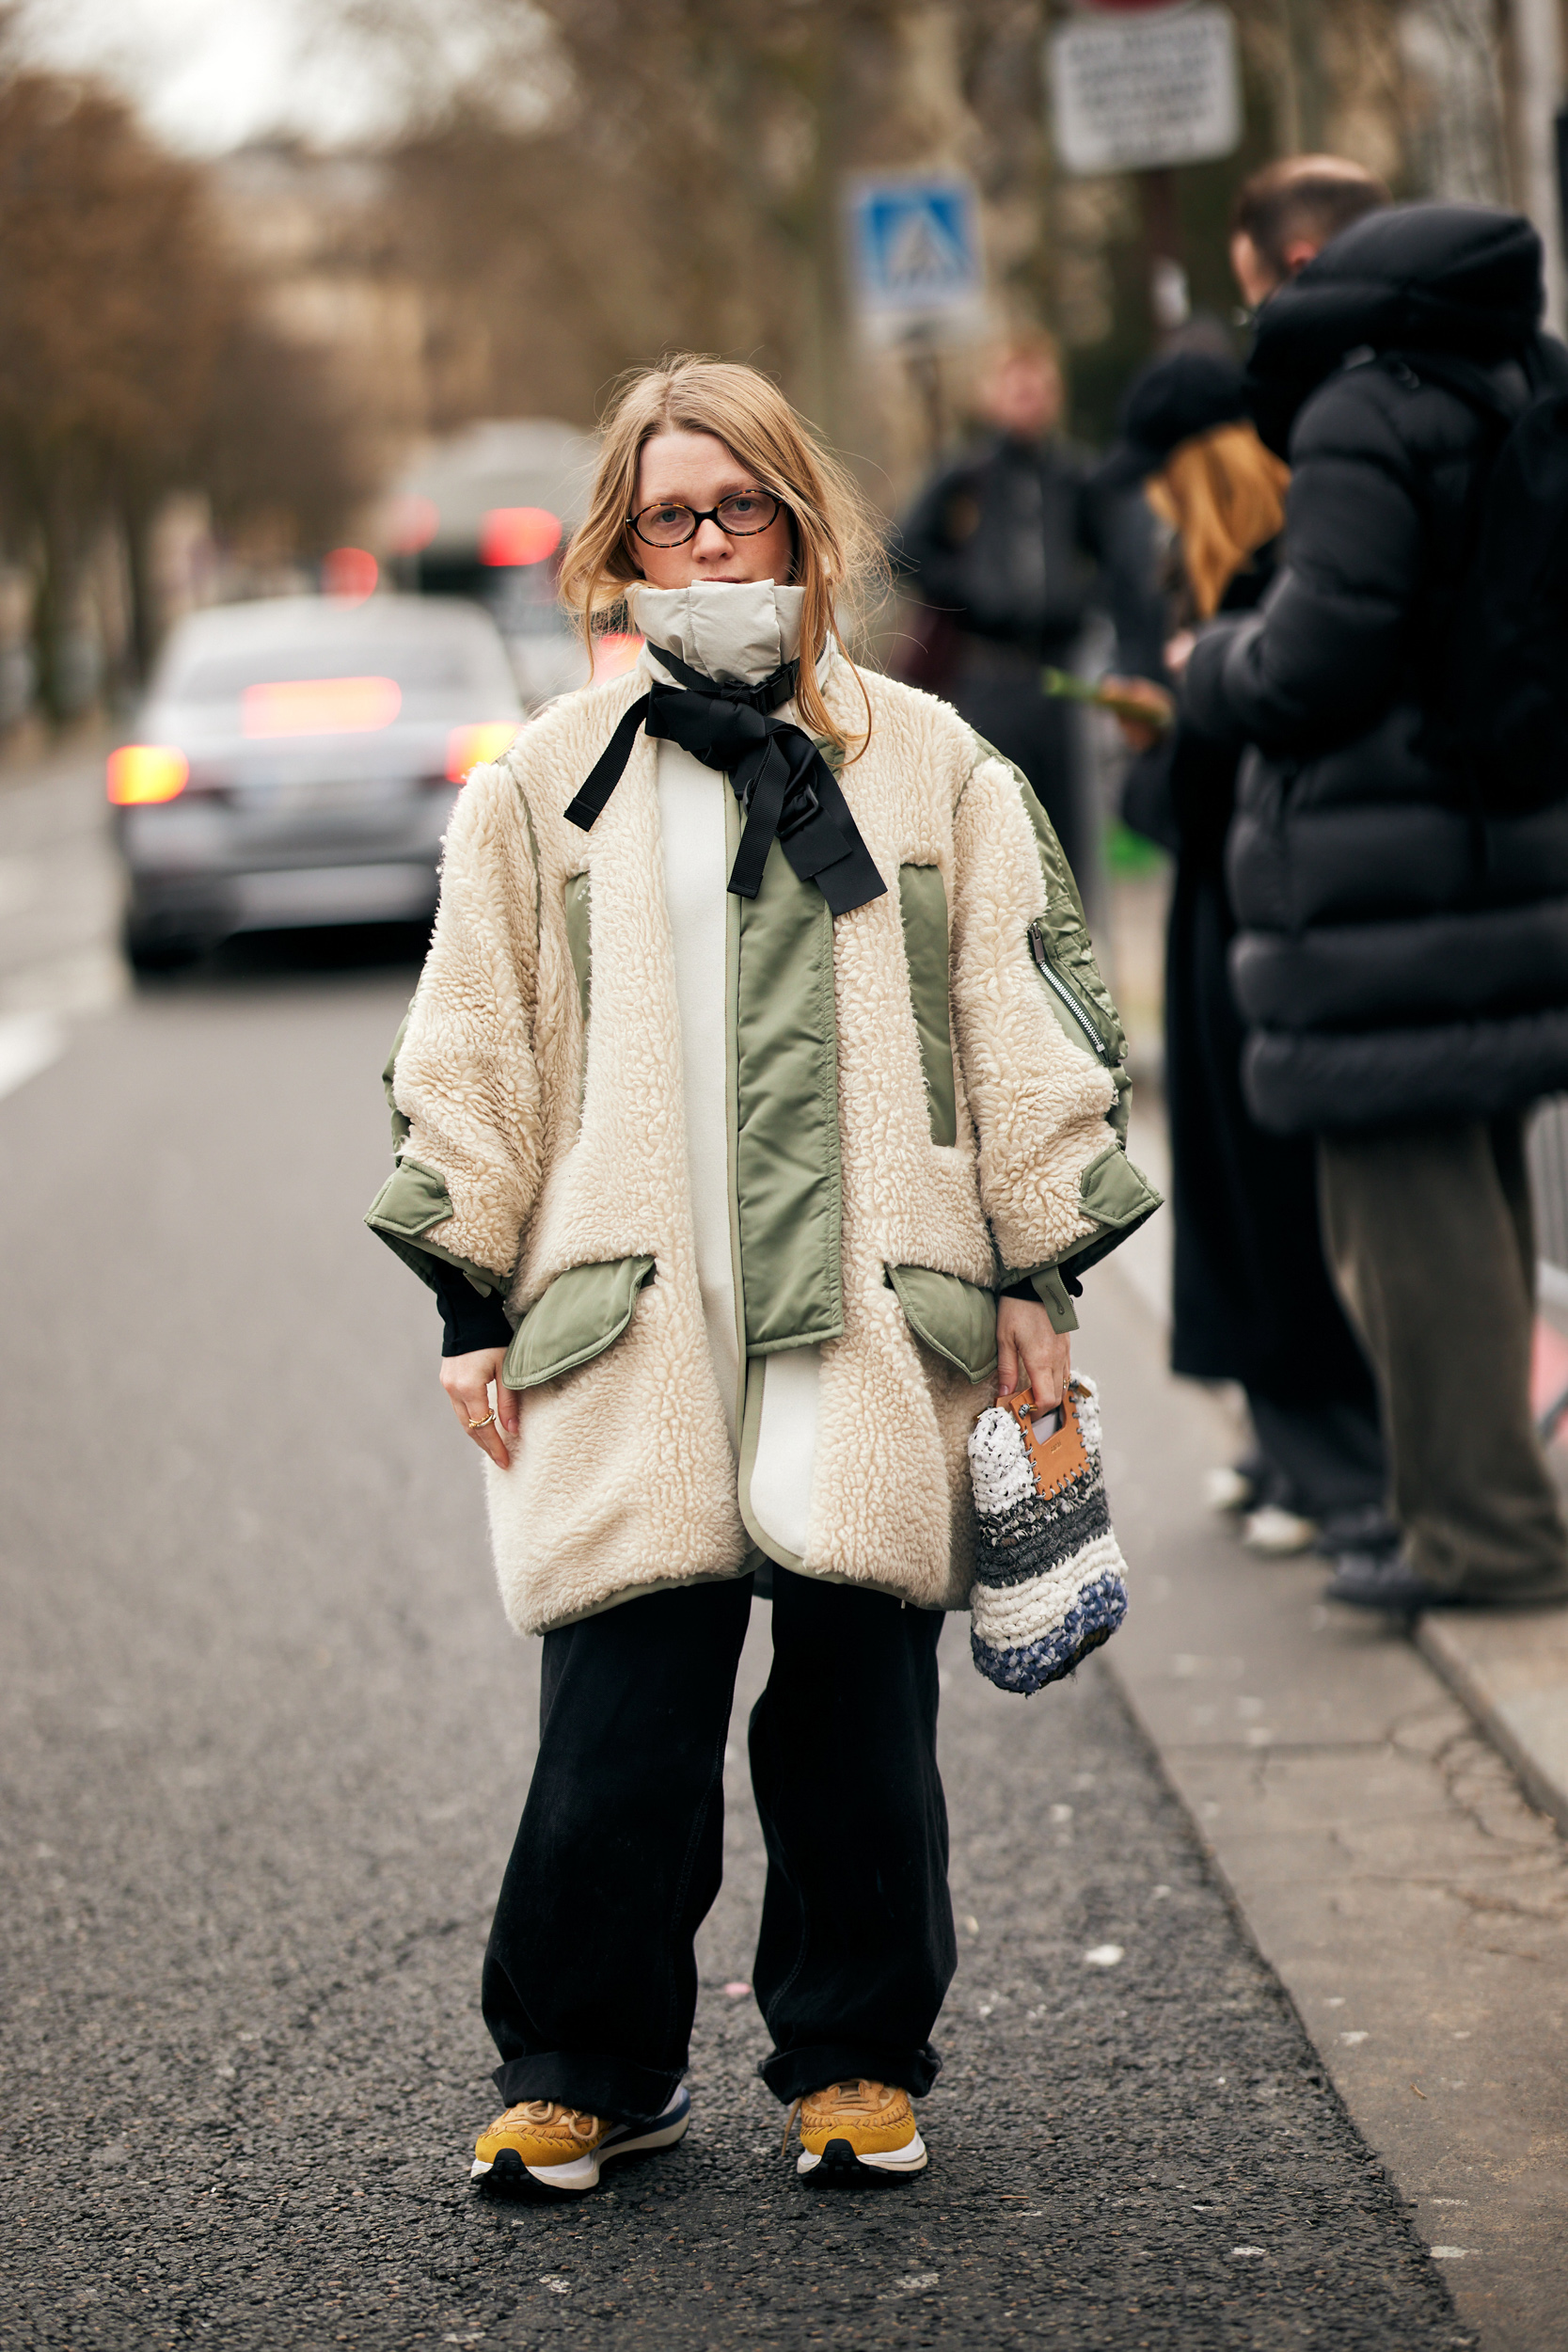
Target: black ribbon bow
[[782, 781]]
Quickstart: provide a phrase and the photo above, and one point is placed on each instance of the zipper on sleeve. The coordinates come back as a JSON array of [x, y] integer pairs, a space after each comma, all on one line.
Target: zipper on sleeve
[[1084, 1015]]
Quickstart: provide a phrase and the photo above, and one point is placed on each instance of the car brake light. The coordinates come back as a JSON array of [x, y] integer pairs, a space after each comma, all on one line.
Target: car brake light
[[516, 535], [320, 706], [467, 746], [142, 772]]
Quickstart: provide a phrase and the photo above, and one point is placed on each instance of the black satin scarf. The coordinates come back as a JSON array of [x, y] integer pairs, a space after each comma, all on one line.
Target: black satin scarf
[[785, 785]]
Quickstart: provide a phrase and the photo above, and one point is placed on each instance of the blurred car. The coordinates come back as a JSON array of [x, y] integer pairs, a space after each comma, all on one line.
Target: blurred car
[[484, 513], [295, 762]]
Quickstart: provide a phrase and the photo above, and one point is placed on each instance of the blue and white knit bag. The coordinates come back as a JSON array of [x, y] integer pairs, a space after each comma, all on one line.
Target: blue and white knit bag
[[1049, 1581]]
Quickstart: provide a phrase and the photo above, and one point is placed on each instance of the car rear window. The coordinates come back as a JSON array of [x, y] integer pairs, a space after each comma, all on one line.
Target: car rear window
[[431, 666]]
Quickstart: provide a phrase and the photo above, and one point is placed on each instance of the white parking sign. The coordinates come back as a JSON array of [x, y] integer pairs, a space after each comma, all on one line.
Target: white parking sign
[[916, 246], [1136, 93]]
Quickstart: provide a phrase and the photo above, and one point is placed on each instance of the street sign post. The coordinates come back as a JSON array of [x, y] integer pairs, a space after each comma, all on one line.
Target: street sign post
[[1141, 92]]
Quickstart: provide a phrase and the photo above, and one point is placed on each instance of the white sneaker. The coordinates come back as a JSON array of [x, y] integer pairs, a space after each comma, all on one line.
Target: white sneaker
[[1278, 1532]]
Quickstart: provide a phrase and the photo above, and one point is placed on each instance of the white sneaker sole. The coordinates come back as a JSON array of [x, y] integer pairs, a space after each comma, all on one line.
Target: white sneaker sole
[[583, 2173], [1276, 1533], [911, 2159]]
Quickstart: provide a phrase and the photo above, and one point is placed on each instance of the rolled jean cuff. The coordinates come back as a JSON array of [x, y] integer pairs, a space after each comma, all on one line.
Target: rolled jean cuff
[[610, 2088], [792, 2075]]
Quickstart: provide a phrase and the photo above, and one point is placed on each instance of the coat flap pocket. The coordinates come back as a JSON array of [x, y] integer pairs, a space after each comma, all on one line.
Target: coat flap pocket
[[583, 1312], [411, 1201], [1113, 1192], [956, 1317]]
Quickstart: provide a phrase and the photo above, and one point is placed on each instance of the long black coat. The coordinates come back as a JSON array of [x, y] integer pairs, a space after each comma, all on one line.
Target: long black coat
[[1016, 541], [1008, 547], [1251, 1301], [1398, 958]]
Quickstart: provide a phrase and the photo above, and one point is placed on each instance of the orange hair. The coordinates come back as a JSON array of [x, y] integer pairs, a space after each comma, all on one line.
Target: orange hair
[[1223, 494]]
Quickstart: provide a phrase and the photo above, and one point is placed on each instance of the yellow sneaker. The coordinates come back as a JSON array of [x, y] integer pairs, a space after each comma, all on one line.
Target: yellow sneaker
[[854, 2126], [561, 2148]]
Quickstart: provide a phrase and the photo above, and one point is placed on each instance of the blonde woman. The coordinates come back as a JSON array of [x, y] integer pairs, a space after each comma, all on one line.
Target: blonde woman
[[731, 1101], [1252, 1301]]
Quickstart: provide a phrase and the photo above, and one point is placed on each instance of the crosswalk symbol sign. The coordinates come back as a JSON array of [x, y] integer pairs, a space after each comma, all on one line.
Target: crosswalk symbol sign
[[916, 245]]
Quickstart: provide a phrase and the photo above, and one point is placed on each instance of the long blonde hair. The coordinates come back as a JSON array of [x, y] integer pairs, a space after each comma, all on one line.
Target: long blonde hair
[[1223, 494], [838, 547]]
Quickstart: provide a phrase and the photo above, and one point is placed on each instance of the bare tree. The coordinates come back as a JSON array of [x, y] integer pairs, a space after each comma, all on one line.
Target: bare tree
[[134, 364]]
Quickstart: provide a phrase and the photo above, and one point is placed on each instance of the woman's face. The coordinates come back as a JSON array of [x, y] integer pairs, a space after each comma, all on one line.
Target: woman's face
[[698, 471]]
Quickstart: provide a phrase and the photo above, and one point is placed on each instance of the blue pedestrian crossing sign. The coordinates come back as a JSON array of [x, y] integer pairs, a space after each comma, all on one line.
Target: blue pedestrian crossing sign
[[916, 245]]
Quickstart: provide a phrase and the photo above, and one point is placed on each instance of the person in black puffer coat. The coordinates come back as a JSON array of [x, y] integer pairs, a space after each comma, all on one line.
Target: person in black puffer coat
[[1402, 959], [1251, 1301]]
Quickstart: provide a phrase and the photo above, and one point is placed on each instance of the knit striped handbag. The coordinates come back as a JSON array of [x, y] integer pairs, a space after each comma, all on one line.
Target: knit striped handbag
[[1049, 1581]]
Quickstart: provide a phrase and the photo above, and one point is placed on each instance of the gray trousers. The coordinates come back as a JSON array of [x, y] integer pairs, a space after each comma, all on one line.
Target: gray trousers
[[1430, 1240]]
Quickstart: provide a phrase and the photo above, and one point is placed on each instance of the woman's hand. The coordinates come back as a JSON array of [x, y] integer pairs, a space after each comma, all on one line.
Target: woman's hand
[[1179, 652], [467, 1381], [1029, 1354], [1142, 692]]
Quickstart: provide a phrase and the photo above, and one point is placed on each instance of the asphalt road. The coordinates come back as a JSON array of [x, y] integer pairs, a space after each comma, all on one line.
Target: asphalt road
[[267, 1736]]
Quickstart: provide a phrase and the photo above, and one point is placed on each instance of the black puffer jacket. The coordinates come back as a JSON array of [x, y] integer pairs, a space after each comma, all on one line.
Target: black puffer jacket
[[1398, 958]]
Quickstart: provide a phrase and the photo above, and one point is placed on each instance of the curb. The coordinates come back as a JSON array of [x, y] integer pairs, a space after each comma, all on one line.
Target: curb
[[1511, 1673]]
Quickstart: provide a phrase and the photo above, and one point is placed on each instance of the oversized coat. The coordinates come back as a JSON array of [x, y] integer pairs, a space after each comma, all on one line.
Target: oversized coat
[[927, 1103]]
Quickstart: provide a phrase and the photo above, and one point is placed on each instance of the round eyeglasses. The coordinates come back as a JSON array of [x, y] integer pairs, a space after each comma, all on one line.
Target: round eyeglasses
[[741, 515]]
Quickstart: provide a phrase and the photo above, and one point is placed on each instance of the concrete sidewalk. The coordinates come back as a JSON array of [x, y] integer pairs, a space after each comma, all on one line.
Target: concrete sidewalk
[[1510, 1670], [1411, 1900]]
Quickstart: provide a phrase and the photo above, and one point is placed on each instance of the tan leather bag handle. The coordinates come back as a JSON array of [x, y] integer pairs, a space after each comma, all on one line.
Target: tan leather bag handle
[[1057, 1459]]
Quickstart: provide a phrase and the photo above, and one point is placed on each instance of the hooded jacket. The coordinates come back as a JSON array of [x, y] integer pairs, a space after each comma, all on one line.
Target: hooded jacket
[[1401, 958], [747, 1176]]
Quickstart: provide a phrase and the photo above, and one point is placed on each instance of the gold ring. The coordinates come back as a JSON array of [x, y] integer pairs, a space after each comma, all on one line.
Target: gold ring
[[486, 1422]]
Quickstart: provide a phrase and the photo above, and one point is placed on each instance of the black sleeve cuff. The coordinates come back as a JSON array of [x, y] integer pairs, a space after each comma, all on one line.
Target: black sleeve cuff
[[468, 1321]]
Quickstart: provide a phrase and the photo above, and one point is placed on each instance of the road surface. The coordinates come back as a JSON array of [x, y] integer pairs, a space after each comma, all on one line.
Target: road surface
[[266, 1737]]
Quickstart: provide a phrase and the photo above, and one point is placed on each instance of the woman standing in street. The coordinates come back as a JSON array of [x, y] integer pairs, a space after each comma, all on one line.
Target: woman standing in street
[[758, 1052], [1251, 1297]]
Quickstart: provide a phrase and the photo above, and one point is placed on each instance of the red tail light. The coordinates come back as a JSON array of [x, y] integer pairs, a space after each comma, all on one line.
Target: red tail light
[[467, 746], [518, 534], [140, 773]]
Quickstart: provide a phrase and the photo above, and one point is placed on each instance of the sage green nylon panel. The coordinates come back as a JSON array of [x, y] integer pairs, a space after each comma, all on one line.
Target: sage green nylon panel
[[583, 1312], [412, 1201], [788, 1184], [956, 1317], [1064, 927], [922, 906], [1054, 1298], [1111, 1190], [578, 894]]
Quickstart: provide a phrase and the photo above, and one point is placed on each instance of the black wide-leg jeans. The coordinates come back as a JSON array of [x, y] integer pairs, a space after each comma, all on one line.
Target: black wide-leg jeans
[[590, 1977]]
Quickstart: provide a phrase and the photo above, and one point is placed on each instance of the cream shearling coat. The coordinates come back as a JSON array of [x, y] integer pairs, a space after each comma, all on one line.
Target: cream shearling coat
[[623, 1475]]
